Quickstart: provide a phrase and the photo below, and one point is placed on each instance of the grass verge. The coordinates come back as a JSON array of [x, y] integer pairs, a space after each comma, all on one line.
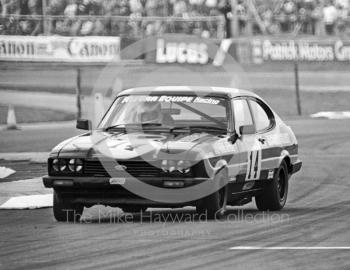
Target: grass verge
[[31, 115]]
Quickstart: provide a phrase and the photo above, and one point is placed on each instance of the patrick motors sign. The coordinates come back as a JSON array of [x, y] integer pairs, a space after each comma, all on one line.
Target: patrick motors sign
[[301, 50], [57, 48]]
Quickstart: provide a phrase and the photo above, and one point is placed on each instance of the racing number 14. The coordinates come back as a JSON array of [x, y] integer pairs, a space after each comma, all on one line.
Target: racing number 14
[[253, 165]]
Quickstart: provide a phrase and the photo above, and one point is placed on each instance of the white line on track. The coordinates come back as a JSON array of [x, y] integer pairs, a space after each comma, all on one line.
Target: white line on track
[[289, 248]]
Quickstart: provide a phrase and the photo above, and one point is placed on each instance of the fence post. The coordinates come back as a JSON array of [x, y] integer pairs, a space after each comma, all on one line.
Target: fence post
[[297, 90], [78, 92]]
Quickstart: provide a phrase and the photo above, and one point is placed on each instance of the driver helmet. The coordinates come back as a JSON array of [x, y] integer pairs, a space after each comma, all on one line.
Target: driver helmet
[[149, 112]]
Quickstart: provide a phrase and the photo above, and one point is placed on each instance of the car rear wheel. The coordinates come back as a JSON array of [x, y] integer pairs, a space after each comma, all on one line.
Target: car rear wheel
[[65, 211], [275, 195]]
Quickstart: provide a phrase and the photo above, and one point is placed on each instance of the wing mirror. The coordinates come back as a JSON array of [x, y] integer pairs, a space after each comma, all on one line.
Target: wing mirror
[[233, 138], [246, 130], [84, 124]]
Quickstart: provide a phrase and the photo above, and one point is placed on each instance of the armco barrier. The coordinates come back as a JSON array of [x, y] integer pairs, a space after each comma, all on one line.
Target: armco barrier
[[172, 50], [61, 76]]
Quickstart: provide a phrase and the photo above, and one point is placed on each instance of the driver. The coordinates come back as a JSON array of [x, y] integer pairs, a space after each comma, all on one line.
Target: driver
[[151, 112]]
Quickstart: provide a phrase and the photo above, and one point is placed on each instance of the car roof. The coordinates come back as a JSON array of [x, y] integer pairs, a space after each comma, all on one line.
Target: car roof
[[186, 90]]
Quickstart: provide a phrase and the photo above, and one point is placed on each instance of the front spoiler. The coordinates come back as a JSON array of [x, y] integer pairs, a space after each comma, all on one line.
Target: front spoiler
[[103, 182], [97, 190], [296, 167]]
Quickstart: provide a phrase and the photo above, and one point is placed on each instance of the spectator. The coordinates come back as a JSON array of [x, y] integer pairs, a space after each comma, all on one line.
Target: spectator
[[10, 26], [12, 7], [342, 19], [268, 22], [330, 15], [180, 8], [242, 16], [151, 9], [344, 4], [108, 8], [226, 10], [55, 8], [71, 26], [316, 17], [288, 16], [34, 9], [136, 7]]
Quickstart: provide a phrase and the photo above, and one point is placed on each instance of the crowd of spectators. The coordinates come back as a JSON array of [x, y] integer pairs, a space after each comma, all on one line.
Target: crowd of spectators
[[10, 9], [109, 17], [142, 17], [303, 16]]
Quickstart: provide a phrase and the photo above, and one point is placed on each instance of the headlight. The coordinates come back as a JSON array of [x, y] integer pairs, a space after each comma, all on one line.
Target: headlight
[[180, 165], [176, 165], [62, 165], [184, 166], [75, 165], [55, 165], [78, 165], [71, 165], [171, 165]]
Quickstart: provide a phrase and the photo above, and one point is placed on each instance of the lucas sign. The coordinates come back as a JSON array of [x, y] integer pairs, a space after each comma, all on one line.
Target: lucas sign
[[181, 52]]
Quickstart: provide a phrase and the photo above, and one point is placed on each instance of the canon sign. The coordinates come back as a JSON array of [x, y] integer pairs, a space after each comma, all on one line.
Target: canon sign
[[181, 52], [60, 49], [93, 48]]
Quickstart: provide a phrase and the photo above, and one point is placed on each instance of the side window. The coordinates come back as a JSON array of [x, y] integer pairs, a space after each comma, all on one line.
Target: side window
[[241, 113], [262, 116]]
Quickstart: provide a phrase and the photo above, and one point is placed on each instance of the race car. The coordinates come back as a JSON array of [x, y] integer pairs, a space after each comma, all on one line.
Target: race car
[[176, 146]]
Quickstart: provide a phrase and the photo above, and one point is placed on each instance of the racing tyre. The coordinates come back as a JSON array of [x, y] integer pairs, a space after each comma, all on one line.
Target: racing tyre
[[275, 195], [64, 211], [214, 205]]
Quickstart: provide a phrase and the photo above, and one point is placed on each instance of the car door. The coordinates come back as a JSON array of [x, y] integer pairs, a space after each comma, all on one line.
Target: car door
[[264, 123], [250, 150]]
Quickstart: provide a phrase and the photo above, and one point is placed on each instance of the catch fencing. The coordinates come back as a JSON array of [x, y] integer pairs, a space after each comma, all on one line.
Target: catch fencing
[[122, 26]]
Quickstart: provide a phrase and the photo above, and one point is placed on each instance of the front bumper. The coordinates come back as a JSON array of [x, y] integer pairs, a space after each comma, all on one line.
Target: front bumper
[[104, 182], [98, 190]]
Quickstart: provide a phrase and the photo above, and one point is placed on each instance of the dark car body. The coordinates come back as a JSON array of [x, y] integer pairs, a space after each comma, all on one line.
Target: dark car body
[[255, 152]]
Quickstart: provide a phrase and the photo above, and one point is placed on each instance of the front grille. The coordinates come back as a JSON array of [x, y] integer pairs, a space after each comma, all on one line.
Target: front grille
[[134, 168], [94, 168]]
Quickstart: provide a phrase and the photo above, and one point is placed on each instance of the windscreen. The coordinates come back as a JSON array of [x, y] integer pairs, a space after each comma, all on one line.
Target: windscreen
[[167, 110]]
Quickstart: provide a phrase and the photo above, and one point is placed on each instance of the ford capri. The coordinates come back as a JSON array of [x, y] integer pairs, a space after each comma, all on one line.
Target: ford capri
[[176, 146]]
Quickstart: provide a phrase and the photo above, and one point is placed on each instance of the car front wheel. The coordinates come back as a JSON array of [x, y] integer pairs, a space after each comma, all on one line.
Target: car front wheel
[[214, 205], [65, 211], [275, 195]]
